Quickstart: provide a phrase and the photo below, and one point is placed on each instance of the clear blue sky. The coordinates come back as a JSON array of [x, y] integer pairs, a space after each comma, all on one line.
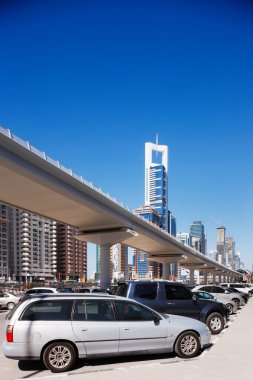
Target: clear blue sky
[[89, 82]]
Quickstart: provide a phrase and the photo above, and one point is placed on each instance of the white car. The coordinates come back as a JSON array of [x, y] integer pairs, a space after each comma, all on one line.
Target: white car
[[7, 300], [58, 329], [222, 295]]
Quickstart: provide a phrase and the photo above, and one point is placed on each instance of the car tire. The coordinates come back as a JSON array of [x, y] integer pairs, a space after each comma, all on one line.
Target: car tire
[[237, 301], [215, 323], [10, 305], [230, 308], [59, 357], [187, 345]]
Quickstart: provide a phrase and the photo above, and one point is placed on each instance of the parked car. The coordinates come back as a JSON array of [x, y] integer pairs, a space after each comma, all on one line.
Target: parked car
[[40, 290], [222, 295], [175, 298], [58, 329], [92, 289], [8, 300], [239, 286], [231, 305], [245, 296]]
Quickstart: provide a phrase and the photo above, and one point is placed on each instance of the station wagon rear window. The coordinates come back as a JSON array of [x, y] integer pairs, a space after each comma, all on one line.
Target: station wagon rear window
[[55, 310]]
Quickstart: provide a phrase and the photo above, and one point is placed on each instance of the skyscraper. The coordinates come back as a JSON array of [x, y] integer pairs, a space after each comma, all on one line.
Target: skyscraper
[[31, 242], [197, 236], [230, 251], [220, 239], [145, 268], [156, 180], [71, 255]]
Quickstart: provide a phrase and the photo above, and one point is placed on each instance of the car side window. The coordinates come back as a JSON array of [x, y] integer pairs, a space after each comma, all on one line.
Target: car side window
[[56, 310], [218, 290], [93, 310], [146, 291], [128, 311], [177, 292], [207, 289]]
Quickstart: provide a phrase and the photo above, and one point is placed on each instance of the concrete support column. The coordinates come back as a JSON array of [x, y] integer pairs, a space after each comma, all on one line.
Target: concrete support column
[[220, 279], [192, 282], [105, 266], [205, 277], [166, 271], [126, 274], [214, 278]]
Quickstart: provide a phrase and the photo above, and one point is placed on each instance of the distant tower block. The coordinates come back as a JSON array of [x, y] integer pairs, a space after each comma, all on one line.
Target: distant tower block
[[156, 180]]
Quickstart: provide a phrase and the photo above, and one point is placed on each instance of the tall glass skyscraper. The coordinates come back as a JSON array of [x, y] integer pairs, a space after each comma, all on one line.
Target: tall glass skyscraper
[[197, 236], [156, 180]]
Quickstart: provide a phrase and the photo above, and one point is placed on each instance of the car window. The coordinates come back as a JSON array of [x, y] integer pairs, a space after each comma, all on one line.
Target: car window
[[93, 310], [206, 289], [146, 291], [218, 290], [127, 311], [56, 310], [177, 292]]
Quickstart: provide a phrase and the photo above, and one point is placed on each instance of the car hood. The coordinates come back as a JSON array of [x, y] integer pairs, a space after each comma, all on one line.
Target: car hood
[[178, 320]]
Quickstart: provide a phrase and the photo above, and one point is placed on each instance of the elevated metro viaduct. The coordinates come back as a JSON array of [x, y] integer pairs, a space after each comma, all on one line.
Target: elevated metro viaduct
[[35, 182]]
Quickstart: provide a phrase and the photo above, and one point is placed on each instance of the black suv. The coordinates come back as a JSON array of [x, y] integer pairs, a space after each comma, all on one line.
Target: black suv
[[174, 298]]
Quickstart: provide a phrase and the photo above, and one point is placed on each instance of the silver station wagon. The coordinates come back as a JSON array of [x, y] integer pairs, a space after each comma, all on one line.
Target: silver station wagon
[[60, 328]]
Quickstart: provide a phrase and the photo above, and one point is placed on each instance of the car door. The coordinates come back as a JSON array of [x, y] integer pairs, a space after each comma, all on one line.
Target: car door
[[94, 325], [179, 300], [140, 328]]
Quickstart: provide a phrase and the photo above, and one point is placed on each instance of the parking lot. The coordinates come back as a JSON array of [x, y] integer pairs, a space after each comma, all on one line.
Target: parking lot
[[229, 357]]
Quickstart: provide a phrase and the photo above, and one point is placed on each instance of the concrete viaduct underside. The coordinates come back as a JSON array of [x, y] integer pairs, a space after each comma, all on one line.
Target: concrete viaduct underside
[[35, 182]]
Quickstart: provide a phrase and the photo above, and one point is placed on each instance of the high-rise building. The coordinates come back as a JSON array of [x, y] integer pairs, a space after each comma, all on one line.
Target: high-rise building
[[172, 224], [220, 239], [230, 251], [71, 255], [156, 180], [4, 241], [143, 267], [184, 238], [32, 242], [197, 236]]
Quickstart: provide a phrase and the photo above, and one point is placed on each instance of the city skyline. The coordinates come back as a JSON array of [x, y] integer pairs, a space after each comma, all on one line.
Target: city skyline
[[92, 93]]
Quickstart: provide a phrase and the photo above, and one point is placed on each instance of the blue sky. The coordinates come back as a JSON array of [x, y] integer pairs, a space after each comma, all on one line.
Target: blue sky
[[89, 82]]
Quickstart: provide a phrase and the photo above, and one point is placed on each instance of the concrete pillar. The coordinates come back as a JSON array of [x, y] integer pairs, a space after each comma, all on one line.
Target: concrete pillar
[[126, 274], [214, 278], [205, 278], [166, 271], [220, 279], [105, 266], [192, 282]]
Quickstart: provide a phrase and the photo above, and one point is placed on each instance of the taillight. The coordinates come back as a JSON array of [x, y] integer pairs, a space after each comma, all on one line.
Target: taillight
[[9, 333]]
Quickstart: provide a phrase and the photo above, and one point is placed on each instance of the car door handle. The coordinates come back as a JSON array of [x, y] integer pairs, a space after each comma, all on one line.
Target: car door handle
[[127, 329], [84, 329], [170, 303]]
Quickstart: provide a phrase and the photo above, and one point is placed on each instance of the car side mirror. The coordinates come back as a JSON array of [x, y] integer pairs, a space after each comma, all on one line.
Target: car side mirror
[[156, 320], [226, 292], [194, 297]]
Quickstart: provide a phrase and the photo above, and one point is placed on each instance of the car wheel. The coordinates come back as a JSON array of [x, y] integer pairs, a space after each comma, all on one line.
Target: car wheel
[[237, 301], [230, 308], [59, 357], [187, 345], [10, 305], [215, 323]]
